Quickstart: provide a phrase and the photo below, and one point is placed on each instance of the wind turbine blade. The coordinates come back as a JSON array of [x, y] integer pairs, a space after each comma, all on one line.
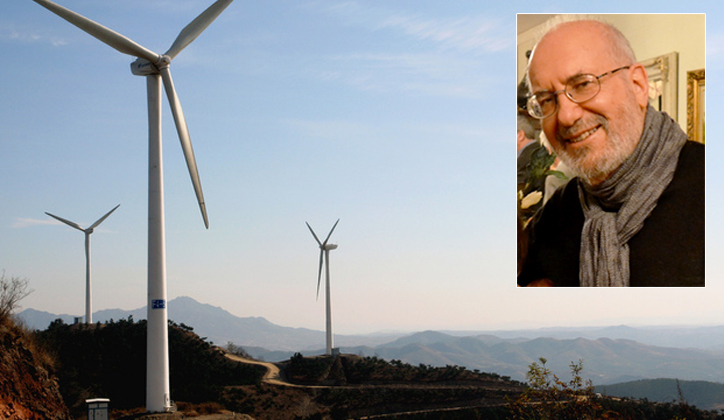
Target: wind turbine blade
[[183, 135], [314, 234], [198, 25], [319, 276], [108, 36], [330, 232], [67, 222], [99, 221]]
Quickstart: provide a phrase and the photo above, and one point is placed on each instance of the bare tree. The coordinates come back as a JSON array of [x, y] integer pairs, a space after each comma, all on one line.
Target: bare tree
[[12, 291]]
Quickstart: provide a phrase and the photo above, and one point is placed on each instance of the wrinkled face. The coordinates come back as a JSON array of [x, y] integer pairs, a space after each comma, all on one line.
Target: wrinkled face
[[594, 137]]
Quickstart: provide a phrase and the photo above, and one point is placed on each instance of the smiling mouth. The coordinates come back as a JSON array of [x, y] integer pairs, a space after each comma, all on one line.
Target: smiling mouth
[[583, 136]]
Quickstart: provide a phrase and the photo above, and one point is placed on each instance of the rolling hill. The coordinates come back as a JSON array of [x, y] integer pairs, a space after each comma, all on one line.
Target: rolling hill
[[218, 326], [702, 394], [627, 354], [605, 360]]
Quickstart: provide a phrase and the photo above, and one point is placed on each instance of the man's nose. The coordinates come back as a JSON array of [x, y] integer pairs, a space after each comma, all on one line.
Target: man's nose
[[568, 111]]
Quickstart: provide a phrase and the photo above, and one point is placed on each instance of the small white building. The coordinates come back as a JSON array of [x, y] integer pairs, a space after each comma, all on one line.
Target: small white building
[[98, 408]]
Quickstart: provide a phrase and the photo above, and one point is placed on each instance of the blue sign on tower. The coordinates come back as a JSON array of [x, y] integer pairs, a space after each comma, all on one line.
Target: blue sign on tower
[[158, 304]]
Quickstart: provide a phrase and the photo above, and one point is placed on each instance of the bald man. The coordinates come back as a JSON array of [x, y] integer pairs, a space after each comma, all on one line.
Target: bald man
[[634, 214]]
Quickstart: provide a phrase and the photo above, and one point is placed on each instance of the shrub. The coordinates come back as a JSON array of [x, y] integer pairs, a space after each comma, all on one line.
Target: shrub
[[12, 291]]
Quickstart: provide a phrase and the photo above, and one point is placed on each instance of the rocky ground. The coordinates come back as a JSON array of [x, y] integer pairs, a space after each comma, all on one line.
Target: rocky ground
[[27, 387]]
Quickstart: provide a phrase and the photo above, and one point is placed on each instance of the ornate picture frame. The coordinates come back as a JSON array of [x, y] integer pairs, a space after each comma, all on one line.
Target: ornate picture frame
[[663, 83], [695, 104]]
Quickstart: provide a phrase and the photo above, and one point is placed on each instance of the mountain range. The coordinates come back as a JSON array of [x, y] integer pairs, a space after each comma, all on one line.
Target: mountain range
[[704, 395], [219, 326], [609, 354], [605, 360]]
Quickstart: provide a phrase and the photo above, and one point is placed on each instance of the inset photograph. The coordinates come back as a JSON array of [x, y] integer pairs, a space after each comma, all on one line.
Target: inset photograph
[[610, 138]]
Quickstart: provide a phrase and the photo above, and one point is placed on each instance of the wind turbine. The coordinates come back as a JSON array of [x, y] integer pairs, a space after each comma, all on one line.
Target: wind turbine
[[324, 249], [88, 231], [156, 68]]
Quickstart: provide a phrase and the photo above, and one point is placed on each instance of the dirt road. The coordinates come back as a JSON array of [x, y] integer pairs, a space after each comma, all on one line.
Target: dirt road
[[272, 375]]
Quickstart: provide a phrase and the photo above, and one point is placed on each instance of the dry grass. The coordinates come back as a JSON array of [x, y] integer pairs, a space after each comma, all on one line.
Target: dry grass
[[44, 356]]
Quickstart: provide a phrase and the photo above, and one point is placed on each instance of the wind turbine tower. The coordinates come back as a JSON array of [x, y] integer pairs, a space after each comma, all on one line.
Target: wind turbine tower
[[88, 232], [155, 67], [324, 248]]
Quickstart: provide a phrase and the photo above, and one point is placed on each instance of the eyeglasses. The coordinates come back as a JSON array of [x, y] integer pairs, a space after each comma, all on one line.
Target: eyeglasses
[[579, 89]]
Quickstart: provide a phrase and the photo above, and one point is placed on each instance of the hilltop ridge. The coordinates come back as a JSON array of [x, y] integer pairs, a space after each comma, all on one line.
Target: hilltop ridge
[[343, 386], [611, 354]]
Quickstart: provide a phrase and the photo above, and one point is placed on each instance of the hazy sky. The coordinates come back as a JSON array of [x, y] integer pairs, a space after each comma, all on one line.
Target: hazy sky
[[396, 117]]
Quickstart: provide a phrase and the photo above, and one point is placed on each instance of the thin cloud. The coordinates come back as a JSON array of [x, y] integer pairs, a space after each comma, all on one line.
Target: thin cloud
[[468, 34], [22, 222], [426, 73], [447, 58], [23, 35]]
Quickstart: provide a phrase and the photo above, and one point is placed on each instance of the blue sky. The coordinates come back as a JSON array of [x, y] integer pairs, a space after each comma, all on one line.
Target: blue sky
[[395, 117]]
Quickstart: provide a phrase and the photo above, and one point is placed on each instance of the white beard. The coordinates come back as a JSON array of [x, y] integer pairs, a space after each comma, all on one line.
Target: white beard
[[620, 144]]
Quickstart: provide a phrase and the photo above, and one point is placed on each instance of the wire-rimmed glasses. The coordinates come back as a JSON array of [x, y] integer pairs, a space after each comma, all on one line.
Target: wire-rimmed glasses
[[579, 89]]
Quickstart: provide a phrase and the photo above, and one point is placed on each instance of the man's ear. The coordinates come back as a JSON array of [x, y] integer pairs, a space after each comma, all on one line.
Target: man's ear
[[640, 82], [522, 139]]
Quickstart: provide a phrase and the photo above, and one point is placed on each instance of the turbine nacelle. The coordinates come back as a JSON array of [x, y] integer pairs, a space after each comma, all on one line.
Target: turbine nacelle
[[323, 246], [88, 231], [155, 67], [143, 67], [150, 63], [75, 225]]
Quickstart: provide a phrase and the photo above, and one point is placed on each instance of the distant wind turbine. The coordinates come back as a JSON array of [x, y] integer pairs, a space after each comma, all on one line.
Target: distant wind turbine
[[324, 249], [155, 67], [88, 231]]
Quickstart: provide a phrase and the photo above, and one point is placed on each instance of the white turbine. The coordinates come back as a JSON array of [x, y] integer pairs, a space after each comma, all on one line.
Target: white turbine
[[324, 249], [88, 231], [155, 67]]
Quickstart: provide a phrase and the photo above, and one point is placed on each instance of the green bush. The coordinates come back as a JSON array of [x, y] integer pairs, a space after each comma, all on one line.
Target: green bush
[[549, 397], [109, 360]]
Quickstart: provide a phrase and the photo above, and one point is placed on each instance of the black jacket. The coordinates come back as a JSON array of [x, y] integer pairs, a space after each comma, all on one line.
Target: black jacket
[[667, 251]]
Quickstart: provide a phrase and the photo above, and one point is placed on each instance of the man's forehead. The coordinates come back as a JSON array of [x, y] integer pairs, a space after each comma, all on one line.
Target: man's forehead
[[554, 75], [565, 53]]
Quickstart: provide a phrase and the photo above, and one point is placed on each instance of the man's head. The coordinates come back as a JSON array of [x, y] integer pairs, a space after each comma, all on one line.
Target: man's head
[[594, 136], [528, 130]]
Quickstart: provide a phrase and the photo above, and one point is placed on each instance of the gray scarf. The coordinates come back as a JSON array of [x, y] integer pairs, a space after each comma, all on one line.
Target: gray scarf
[[616, 209]]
